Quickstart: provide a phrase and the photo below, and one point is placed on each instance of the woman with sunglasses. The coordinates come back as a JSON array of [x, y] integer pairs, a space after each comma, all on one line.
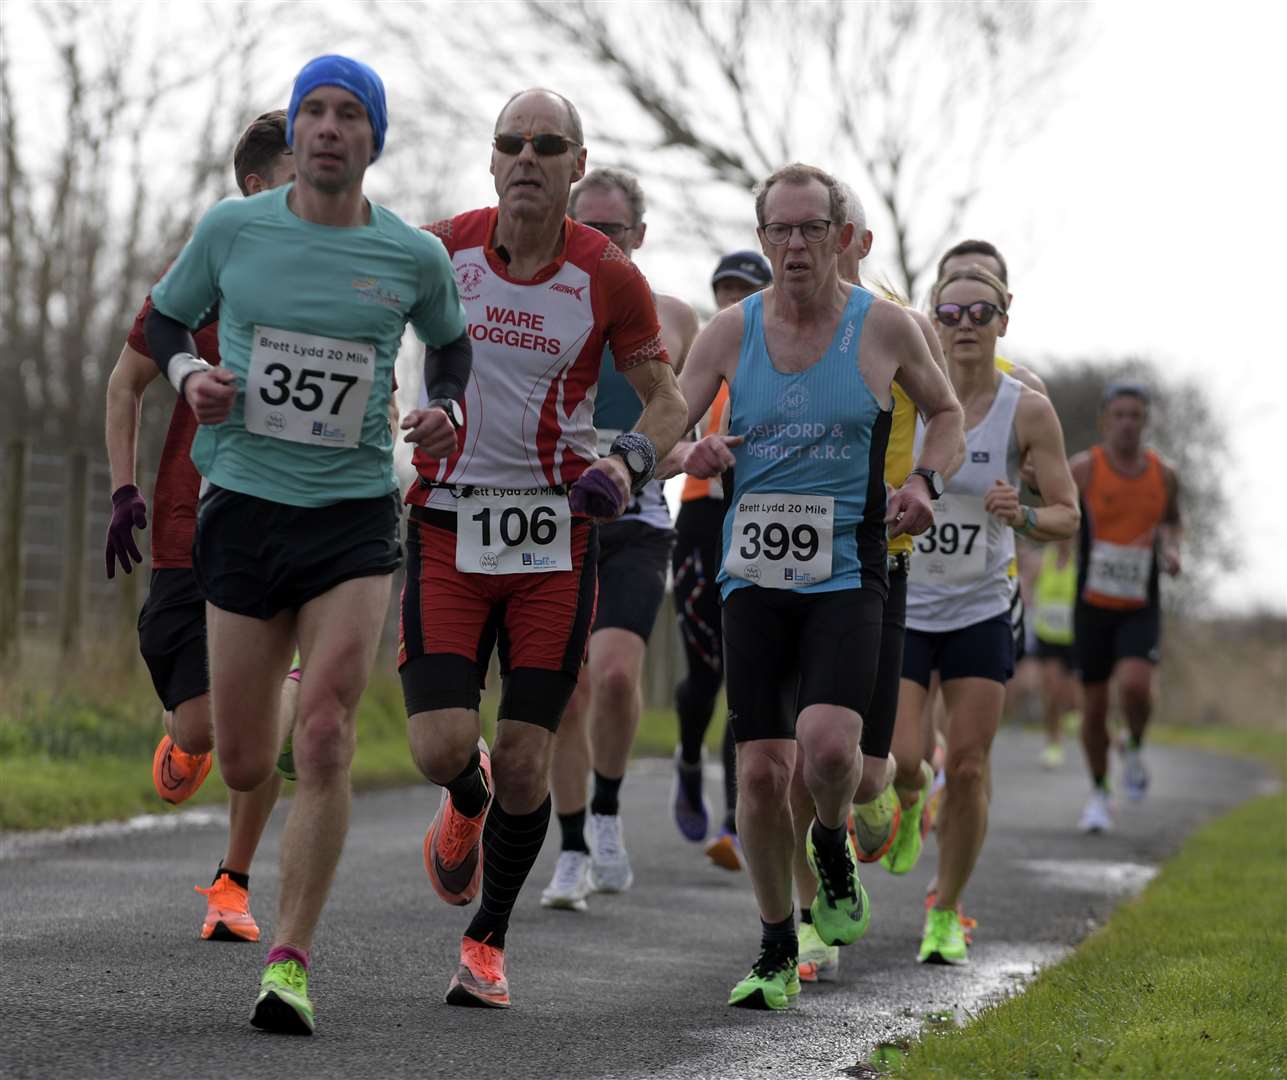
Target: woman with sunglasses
[[958, 596]]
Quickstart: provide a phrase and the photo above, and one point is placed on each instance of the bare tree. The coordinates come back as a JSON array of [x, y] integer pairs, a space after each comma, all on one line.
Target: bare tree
[[912, 102]]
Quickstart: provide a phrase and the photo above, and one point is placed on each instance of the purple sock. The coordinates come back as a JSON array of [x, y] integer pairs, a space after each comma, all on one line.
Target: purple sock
[[288, 952]]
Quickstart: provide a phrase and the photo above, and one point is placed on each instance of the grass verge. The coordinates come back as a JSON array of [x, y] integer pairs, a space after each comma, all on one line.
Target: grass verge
[[1186, 980]]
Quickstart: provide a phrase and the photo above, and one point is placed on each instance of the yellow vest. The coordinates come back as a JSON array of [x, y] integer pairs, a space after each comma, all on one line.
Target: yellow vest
[[1056, 593], [898, 455]]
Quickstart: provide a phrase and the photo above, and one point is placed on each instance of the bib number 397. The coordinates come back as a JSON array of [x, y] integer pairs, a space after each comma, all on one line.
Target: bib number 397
[[504, 533], [308, 389], [781, 541]]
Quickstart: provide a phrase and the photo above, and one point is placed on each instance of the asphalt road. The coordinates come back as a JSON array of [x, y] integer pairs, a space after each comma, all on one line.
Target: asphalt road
[[102, 973]]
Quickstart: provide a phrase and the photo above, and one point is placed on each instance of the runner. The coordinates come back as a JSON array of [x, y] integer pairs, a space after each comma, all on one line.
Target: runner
[[1056, 593], [502, 546], [809, 363], [296, 532], [599, 724], [694, 565], [172, 623], [959, 592], [877, 812], [1130, 528]]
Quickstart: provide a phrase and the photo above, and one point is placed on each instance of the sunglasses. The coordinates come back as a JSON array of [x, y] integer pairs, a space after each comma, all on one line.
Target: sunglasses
[[778, 233], [980, 313], [544, 145]]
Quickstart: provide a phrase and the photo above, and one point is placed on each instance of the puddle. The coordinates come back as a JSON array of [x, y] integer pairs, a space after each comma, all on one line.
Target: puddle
[[1090, 875], [15, 844]]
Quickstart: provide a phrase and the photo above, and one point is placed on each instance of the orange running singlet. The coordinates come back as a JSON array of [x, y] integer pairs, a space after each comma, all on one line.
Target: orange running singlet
[[712, 488], [1119, 532]]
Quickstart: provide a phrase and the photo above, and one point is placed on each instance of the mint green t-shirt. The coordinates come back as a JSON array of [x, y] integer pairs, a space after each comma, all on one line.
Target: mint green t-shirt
[[310, 321]]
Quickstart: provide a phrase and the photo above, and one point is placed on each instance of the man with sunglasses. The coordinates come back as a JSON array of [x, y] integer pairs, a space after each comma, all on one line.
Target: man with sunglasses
[[599, 724], [502, 545], [809, 363]]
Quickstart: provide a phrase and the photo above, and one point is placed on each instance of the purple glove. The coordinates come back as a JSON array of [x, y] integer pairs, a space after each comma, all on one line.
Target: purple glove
[[129, 512], [595, 495]]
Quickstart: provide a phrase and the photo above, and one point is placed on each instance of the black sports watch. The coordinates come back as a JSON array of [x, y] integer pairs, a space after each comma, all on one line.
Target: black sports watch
[[640, 455], [452, 408], [932, 481]]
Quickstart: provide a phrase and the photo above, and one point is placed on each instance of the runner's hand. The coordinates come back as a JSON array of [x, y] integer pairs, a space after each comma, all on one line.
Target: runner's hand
[[908, 509], [1003, 502], [210, 395], [711, 456], [431, 430], [129, 512], [602, 492], [1171, 560]]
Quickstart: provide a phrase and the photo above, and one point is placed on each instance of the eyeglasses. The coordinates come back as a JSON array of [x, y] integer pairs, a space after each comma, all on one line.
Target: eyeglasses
[[980, 313], [611, 229], [778, 233], [544, 145]]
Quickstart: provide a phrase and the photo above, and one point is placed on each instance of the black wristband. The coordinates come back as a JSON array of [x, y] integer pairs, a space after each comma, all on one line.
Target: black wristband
[[448, 367]]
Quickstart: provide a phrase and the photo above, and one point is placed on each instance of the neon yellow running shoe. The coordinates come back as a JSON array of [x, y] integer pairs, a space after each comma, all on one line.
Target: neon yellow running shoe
[[818, 960], [876, 824], [773, 982], [283, 1004], [943, 941], [905, 851], [841, 911]]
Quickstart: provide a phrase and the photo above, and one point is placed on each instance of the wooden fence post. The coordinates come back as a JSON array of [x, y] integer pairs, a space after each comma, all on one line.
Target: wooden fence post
[[15, 496], [74, 552]]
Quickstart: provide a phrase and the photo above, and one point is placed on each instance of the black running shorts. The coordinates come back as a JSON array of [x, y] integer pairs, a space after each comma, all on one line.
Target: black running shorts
[[827, 643], [633, 557], [172, 636], [878, 721], [1065, 654], [984, 650], [255, 557], [1105, 636]]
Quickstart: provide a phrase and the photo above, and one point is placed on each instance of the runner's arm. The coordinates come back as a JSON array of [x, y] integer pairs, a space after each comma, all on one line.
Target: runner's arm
[[665, 414], [129, 378], [1041, 438], [936, 353], [926, 383], [711, 360], [680, 320], [1172, 528]]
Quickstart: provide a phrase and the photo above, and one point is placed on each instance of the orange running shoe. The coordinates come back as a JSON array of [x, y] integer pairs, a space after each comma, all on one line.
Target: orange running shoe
[[968, 924], [725, 851], [228, 915], [175, 774], [453, 845], [480, 980]]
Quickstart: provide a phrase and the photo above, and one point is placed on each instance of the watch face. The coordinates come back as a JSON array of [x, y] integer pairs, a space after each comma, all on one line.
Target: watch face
[[635, 461]]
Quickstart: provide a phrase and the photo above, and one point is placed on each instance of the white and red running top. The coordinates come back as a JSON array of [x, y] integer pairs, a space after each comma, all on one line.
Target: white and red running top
[[529, 405]]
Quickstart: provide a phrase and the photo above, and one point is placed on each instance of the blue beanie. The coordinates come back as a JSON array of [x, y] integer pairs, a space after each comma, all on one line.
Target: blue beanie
[[351, 75]]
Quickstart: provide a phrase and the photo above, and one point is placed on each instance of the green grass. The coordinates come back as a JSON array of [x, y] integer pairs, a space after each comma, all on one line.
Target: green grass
[[1188, 980], [1267, 745]]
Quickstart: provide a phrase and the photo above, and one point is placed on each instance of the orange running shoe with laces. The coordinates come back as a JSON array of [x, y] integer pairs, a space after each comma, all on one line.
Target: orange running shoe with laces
[[480, 980], [453, 845], [967, 924], [177, 775], [228, 915]]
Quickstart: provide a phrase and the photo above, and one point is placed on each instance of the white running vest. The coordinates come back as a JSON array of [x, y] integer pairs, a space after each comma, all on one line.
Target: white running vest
[[959, 567]]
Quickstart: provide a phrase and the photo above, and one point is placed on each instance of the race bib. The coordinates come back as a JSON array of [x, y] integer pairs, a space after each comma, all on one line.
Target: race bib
[[781, 541], [308, 389], [501, 531], [1055, 621], [1119, 571], [954, 550]]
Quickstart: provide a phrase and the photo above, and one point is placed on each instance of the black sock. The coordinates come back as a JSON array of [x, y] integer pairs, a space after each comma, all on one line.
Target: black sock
[[730, 822], [573, 829], [1134, 742], [1100, 783], [829, 843], [511, 843], [806, 917], [690, 782], [469, 789], [606, 794], [779, 934], [240, 879]]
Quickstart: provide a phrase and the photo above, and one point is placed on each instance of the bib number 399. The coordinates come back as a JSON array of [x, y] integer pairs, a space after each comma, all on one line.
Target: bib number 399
[[306, 388], [507, 533], [781, 541]]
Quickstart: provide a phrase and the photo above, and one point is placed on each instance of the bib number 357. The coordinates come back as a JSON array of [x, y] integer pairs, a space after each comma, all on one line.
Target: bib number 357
[[309, 389], [505, 533], [781, 541]]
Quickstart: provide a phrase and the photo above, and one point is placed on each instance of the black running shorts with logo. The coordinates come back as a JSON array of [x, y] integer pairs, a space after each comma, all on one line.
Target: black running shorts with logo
[[984, 650], [827, 643], [256, 557], [172, 636], [878, 721], [1105, 636], [633, 557]]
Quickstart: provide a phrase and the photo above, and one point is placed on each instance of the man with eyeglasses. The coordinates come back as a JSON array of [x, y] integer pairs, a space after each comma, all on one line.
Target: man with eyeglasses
[[502, 545], [599, 724], [809, 363]]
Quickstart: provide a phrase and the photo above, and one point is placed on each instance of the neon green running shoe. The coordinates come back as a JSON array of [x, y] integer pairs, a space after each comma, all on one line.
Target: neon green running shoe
[[905, 851], [943, 941], [773, 983], [818, 960], [841, 911], [283, 1004], [876, 824]]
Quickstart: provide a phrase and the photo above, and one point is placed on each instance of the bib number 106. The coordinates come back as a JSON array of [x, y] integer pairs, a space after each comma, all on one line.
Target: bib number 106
[[515, 527], [775, 542]]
